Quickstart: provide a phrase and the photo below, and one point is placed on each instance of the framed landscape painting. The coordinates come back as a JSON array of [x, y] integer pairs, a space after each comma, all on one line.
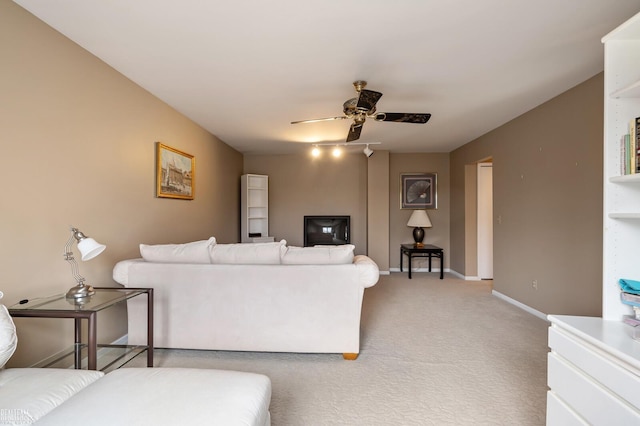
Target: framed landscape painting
[[175, 173], [418, 191]]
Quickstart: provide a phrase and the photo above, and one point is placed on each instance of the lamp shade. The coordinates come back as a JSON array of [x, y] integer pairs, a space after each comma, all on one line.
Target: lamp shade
[[419, 219], [90, 248]]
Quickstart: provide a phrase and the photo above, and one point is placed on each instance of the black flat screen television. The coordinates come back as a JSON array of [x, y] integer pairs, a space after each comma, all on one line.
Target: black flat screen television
[[327, 230]]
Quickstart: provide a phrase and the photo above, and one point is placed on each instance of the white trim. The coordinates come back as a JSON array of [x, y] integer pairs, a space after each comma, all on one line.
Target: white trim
[[385, 273], [451, 271], [520, 305], [464, 277], [121, 341], [404, 270], [101, 352]]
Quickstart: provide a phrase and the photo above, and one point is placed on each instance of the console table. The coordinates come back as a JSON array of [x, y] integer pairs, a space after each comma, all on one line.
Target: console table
[[105, 297], [428, 250]]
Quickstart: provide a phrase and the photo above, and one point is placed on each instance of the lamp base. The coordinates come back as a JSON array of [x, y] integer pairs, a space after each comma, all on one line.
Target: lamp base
[[418, 236], [81, 291]]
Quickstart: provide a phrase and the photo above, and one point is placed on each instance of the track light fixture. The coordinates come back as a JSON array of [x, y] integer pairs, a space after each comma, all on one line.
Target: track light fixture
[[337, 148], [367, 151]]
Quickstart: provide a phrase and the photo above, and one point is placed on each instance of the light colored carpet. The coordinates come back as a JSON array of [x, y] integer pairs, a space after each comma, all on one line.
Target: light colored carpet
[[433, 352]]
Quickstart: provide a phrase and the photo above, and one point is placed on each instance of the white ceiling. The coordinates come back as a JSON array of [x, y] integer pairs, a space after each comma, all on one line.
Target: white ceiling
[[245, 69]]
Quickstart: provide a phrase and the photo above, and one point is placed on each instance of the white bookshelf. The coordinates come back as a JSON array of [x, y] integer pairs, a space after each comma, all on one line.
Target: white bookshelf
[[254, 208], [621, 220], [594, 363]]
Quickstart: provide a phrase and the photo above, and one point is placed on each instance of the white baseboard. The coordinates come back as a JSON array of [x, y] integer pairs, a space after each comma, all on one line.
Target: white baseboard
[[121, 341], [385, 273], [450, 271], [465, 277], [520, 305], [101, 352], [404, 271]]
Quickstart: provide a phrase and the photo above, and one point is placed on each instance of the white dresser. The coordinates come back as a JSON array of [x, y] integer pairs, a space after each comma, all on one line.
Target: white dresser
[[593, 372]]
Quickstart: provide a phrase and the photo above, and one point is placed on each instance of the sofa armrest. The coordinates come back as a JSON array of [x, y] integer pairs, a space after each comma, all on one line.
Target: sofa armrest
[[367, 270], [121, 270]]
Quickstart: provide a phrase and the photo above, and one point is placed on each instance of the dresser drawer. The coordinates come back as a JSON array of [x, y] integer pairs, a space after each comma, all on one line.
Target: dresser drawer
[[596, 404], [611, 372], [560, 414]]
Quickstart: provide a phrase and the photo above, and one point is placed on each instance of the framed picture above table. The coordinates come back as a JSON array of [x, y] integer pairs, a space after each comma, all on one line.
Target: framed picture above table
[[418, 191]]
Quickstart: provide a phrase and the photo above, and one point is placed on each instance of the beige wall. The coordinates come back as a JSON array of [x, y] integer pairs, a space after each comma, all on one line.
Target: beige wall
[[300, 185], [79, 150], [78, 142], [547, 178], [399, 232], [378, 209]]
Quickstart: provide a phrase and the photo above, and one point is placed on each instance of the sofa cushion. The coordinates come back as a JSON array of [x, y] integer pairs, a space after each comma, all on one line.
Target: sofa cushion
[[318, 255], [248, 253], [8, 337], [27, 394], [169, 396], [195, 252]]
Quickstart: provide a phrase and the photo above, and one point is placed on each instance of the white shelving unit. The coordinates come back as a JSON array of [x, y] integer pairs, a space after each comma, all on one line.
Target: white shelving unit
[[254, 208], [594, 363], [621, 193]]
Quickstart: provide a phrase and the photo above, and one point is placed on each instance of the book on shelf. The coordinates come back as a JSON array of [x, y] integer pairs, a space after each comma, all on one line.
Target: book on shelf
[[636, 143], [624, 154], [630, 149]]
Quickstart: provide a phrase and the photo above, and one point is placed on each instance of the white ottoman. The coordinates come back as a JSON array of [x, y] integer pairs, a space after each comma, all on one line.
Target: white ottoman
[[168, 396]]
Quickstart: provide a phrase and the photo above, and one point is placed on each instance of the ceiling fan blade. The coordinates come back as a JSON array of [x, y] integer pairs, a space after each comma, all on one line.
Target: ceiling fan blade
[[400, 117], [354, 132], [315, 120], [367, 100]]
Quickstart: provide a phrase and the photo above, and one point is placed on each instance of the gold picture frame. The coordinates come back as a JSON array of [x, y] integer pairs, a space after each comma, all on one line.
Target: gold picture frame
[[418, 191], [175, 173]]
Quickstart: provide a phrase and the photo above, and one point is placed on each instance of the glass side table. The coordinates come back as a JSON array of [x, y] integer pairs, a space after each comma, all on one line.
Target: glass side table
[[60, 307]]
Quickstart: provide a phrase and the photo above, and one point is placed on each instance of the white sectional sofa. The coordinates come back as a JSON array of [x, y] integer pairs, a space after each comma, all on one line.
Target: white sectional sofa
[[128, 396], [263, 297]]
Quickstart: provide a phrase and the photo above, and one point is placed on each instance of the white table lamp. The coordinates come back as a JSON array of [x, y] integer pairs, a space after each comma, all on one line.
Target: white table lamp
[[89, 248]]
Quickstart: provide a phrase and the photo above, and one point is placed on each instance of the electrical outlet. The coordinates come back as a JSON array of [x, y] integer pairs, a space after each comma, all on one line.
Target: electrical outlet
[[534, 284]]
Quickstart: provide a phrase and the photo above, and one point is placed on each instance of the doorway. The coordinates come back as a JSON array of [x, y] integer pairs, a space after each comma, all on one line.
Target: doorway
[[485, 220]]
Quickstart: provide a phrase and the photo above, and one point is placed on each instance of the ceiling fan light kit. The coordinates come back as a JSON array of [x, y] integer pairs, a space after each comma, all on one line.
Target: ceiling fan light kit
[[362, 107]]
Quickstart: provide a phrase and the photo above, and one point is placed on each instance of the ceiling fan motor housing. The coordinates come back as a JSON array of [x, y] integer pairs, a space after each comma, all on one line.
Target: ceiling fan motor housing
[[363, 106]]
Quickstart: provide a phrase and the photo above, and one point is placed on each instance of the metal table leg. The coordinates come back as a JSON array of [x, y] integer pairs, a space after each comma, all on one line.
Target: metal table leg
[[93, 342]]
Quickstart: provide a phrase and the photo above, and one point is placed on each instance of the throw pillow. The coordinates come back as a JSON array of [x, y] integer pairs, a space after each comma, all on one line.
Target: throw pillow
[[319, 255], [195, 252], [8, 337], [248, 253]]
